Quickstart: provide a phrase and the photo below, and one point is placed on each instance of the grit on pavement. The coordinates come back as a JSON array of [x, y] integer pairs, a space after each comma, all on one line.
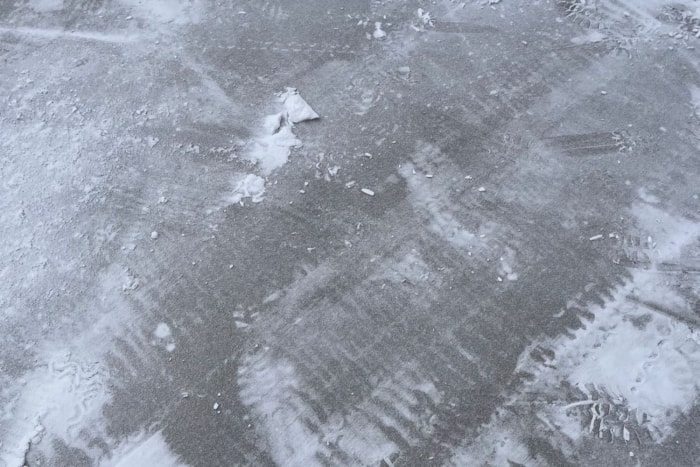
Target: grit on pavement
[[349, 233]]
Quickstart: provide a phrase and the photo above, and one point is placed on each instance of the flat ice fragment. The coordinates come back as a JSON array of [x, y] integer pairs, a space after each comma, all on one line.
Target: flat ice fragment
[[162, 331], [298, 110], [378, 32], [589, 38]]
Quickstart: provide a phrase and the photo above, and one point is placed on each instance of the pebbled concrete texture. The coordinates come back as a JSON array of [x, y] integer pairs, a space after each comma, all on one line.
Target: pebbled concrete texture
[[484, 252]]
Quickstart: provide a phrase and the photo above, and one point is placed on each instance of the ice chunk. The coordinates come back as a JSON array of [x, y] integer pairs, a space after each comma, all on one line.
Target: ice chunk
[[251, 186], [378, 32], [162, 331], [298, 110]]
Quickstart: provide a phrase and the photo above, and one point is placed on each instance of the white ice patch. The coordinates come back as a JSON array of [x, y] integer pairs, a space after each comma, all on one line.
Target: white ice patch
[[251, 186], [271, 148], [670, 234], [143, 451], [591, 37]]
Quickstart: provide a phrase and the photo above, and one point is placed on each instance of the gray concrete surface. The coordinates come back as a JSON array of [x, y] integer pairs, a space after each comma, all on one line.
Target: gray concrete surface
[[519, 283]]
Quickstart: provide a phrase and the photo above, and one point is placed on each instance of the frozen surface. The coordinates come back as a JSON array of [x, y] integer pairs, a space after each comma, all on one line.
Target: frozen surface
[[349, 233]]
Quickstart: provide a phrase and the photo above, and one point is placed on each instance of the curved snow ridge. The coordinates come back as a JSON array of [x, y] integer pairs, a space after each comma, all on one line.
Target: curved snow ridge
[[54, 401]]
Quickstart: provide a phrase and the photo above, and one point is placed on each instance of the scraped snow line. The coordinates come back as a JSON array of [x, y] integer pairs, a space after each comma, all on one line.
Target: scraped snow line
[[77, 35]]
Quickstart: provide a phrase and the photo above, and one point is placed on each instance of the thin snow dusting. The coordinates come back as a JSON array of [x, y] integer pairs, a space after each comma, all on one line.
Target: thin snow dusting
[[269, 386], [143, 451], [273, 390], [429, 198], [408, 268], [497, 445]]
